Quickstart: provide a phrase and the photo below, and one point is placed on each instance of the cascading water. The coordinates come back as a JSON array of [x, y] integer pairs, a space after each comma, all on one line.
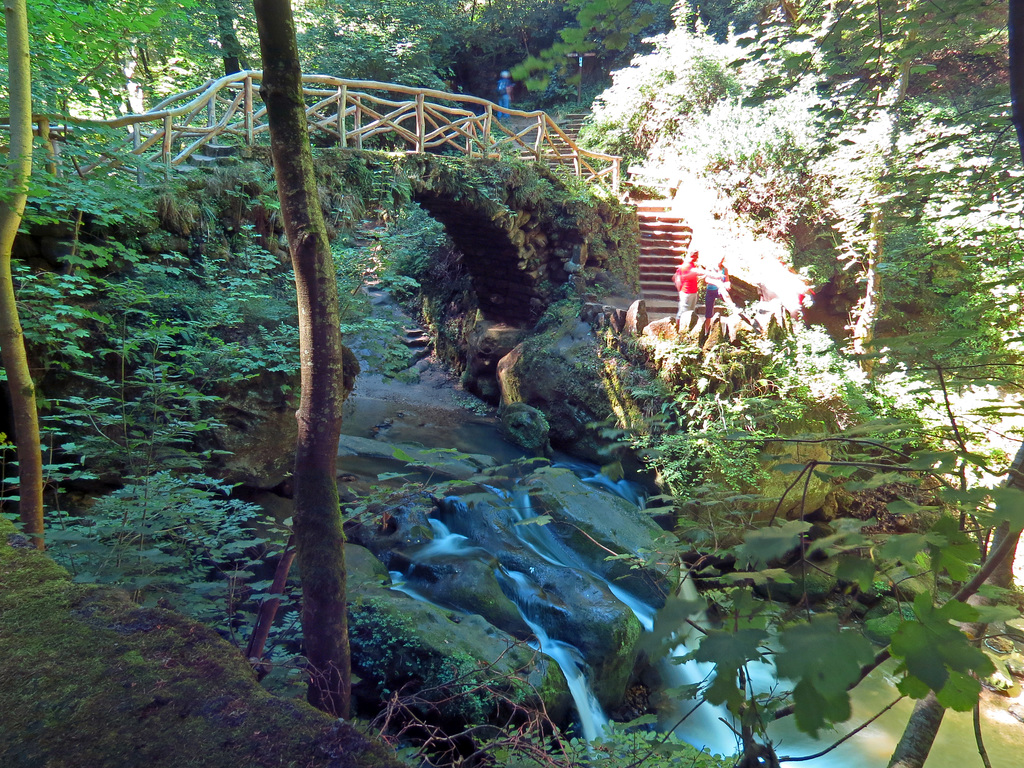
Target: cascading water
[[955, 743], [567, 657], [528, 597]]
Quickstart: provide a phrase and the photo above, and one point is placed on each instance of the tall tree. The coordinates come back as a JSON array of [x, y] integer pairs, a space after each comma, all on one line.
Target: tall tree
[[231, 49], [12, 206], [319, 539]]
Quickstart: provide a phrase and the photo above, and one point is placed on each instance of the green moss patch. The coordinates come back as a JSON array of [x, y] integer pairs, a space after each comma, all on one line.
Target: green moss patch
[[90, 679]]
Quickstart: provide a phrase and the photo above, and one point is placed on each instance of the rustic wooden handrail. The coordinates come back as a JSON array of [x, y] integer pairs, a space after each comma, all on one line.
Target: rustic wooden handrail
[[350, 112]]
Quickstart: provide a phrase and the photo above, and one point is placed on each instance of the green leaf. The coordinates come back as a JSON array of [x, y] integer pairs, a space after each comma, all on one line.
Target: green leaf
[[960, 693], [1009, 506], [823, 679], [856, 570], [765, 544], [731, 649], [903, 547]]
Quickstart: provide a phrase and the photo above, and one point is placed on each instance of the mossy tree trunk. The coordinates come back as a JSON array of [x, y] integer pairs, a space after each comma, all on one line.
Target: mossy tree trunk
[[12, 340], [916, 742], [318, 533], [230, 48]]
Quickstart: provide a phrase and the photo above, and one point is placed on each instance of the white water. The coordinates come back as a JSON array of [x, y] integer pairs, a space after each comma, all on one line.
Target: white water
[[527, 596], [592, 475], [567, 657]]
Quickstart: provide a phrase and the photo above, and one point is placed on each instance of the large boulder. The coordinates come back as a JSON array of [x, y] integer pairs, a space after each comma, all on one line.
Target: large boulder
[[613, 537], [564, 374], [404, 644], [257, 434], [91, 679]]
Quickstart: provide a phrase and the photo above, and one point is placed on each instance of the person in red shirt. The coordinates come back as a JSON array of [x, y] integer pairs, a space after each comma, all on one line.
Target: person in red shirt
[[687, 282]]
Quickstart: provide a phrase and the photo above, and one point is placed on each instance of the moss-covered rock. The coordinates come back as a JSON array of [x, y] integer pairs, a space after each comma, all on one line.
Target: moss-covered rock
[[616, 539], [459, 658], [573, 379], [90, 679], [524, 426]]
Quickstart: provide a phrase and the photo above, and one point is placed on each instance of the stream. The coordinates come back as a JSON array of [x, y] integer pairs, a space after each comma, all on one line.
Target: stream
[[432, 415]]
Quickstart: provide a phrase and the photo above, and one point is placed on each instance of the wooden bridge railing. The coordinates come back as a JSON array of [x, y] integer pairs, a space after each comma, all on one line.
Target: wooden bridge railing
[[354, 113]]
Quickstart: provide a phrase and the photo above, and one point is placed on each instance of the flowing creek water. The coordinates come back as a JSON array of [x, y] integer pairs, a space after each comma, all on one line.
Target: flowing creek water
[[430, 416]]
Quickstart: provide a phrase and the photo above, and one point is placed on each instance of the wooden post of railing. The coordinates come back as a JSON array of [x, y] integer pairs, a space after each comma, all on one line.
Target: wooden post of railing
[[342, 101], [615, 175], [165, 149], [248, 111], [421, 125], [211, 111], [140, 174], [488, 117], [541, 135], [359, 122]]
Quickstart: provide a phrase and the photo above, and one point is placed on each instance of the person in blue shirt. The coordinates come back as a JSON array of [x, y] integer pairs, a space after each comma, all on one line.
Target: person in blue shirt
[[505, 86]]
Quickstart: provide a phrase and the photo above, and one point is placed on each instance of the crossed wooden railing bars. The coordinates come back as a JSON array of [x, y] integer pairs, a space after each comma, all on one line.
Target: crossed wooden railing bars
[[352, 113]]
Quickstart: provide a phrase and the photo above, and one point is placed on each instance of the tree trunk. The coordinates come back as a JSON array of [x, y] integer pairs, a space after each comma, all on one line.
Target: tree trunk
[[1016, 51], [231, 49], [12, 340], [917, 738], [864, 328], [319, 538]]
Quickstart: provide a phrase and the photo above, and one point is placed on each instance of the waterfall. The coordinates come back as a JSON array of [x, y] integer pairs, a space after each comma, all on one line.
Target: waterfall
[[567, 657], [592, 475], [526, 594]]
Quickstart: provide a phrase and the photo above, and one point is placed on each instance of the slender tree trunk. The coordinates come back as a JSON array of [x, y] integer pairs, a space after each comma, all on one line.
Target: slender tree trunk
[[864, 328], [319, 538], [1016, 51], [268, 609], [12, 339], [918, 736], [231, 49]]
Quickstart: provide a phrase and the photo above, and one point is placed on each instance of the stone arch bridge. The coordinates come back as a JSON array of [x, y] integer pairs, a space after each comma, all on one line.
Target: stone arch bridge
[[524, 234]]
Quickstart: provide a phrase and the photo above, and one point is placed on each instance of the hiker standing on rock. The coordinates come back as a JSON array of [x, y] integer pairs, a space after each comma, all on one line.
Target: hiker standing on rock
[[718, 282]]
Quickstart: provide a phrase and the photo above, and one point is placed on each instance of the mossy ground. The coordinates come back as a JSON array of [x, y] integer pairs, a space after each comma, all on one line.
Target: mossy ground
[[91, 680]]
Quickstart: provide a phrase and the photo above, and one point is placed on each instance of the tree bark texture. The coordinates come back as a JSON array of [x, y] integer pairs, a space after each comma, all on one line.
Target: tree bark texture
[[231, 49], [918, 736], [1015, 48], [12, 340], [319, 538]]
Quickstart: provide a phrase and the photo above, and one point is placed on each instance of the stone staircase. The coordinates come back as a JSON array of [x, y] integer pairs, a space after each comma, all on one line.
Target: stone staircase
[[211, 155], [664, 239], [572, 124]]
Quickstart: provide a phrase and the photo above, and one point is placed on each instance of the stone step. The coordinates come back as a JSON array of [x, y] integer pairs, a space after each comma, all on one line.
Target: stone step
[[662, 277], [678, 237], [657, 308], [664, 225], [658, 246], [655, 214], [218, 150], [660, 260]]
